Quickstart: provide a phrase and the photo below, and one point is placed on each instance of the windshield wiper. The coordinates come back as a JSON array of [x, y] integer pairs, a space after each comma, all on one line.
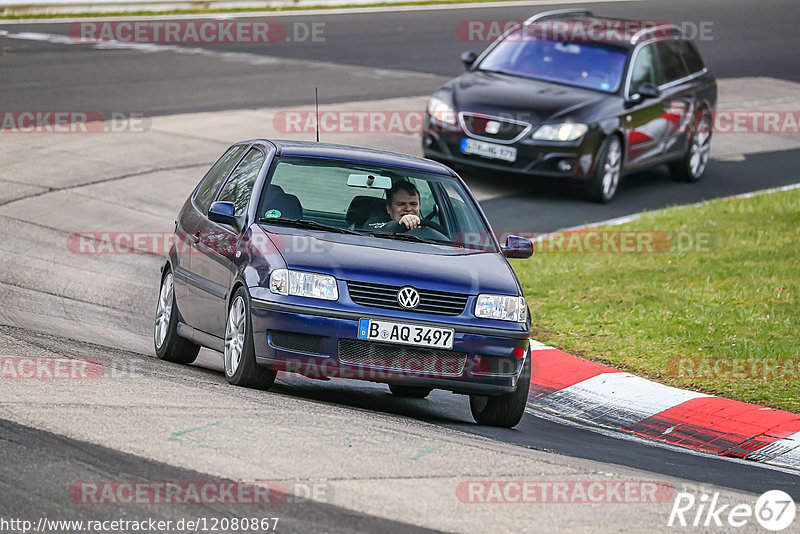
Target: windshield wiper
[[409, 237], [311, 225]]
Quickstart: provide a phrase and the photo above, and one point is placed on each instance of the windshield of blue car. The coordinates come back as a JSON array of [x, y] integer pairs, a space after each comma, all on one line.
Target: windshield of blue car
[[302, 189], [582, 64]]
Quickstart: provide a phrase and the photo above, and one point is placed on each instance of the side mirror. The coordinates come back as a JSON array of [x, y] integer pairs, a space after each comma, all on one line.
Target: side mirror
[[224, 213], [649, 90], [517, 247], [468, 58]]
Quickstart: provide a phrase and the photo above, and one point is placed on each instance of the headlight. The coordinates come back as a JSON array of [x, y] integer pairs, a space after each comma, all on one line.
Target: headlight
[[302, 284], [567, 131], [441, 112], [501, 307]]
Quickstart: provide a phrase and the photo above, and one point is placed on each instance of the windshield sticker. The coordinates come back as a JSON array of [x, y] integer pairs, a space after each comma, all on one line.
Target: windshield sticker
[[272, 214]]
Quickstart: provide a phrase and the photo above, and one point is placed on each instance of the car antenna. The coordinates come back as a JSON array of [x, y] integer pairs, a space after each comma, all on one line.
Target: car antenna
[[316, 106]]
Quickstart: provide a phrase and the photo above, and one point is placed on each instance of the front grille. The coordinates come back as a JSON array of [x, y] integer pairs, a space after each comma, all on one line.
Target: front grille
[[475, 124], [382, 296], [416, 360], [296, 342]]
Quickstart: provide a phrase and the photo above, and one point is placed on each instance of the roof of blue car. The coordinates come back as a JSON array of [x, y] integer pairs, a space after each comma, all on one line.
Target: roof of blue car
[[313, 149]]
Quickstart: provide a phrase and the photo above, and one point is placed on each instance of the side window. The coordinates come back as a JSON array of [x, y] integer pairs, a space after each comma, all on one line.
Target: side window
[[691, 58], [671, 63], [214, 177], [239, 186], [644, 69]]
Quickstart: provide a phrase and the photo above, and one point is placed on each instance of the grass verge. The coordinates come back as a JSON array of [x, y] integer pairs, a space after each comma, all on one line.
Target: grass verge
[[716, 307]]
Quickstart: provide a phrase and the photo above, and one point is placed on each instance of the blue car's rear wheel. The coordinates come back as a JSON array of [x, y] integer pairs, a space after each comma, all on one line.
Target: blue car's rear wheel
[[168, 344], [503, 410], [241, 368]]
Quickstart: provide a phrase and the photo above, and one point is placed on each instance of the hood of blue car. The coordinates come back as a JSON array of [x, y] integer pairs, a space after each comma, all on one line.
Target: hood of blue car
[[398, 263]]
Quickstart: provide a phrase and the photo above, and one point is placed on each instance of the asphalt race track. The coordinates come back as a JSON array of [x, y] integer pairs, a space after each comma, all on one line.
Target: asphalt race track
[[381, 463]]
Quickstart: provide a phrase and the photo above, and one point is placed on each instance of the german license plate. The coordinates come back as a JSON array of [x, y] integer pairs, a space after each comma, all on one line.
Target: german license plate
[[405, 334], [488, 150]]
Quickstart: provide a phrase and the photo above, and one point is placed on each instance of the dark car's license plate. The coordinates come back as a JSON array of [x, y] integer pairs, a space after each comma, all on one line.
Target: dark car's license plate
[[405, 334]]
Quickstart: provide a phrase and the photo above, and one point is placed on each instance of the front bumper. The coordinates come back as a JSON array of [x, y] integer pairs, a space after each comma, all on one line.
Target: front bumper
[[319, 343], [534, 158]]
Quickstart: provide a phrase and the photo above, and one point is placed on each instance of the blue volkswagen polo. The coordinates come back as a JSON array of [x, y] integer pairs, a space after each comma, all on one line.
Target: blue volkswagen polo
[[338, 261]]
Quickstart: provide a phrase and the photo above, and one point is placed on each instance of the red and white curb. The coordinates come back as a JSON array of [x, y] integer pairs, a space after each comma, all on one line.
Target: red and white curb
[[578, 389]]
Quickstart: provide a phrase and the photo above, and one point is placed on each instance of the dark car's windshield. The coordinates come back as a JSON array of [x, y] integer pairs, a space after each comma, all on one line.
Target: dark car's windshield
[[582, 64], [352, 196]]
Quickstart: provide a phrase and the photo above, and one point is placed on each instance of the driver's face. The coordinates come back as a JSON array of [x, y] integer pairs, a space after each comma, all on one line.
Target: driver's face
[[403, 204]]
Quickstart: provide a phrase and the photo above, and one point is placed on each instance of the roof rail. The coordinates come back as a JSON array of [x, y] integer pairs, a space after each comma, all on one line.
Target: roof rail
[[661, 27], [557, 13]]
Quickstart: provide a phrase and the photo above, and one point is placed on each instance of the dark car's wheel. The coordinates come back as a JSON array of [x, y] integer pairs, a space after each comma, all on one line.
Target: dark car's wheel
[[241, 368], [694, 163], [503, 410], [412, 392], [168, 344], [608, 170]]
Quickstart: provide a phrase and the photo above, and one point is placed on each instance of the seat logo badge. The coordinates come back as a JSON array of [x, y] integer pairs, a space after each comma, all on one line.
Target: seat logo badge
[[408, 297], [492, 127]]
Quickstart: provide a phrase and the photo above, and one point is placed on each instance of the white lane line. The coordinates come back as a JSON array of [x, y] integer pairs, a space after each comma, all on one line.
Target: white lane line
[[616, 400], [555, 417], [628, 218], [232, 57], [538, 5]]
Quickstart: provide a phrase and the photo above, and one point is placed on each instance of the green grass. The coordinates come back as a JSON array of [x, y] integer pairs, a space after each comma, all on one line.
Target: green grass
[[735, 301], [117, 14]]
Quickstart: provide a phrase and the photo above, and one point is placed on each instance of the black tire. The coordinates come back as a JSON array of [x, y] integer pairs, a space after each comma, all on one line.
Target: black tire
[[412, 392], [699, 144], [171, 347], [246, 372], [503, 410], [603, 186]]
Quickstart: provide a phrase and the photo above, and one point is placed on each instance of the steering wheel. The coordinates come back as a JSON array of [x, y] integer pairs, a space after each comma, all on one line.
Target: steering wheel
[[424, 224]]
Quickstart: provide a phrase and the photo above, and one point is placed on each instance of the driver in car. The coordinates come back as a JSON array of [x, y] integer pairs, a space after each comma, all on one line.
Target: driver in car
[[402, 206]]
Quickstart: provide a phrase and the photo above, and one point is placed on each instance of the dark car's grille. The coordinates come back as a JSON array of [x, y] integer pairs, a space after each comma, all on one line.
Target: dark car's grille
[[401, 358], [381, 296], [475, 124], [296, 342]]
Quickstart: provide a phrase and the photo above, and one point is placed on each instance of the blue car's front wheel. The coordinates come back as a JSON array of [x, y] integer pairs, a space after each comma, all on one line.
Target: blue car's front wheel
[[503, 410], [241, 368]]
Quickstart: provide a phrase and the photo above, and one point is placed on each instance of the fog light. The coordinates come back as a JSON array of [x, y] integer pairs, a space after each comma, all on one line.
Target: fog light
[[428, 140], [564, 166]]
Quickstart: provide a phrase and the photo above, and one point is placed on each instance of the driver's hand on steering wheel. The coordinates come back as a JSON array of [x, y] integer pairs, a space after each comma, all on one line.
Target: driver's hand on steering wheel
[[410, 221]]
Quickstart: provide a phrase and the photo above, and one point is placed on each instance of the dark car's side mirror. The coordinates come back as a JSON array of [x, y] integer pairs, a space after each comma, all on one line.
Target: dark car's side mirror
[[468, 58], [224, 213], [648, 90], [517, 247]]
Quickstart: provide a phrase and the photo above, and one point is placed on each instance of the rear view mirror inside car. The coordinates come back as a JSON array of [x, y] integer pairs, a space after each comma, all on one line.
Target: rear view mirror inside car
[[369, 181]]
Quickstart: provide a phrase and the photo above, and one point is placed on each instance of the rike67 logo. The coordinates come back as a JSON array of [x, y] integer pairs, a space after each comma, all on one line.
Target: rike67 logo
[[774, 510]]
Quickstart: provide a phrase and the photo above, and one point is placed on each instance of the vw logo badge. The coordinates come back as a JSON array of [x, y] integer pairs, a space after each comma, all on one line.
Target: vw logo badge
[[492, 127], [408, 297]]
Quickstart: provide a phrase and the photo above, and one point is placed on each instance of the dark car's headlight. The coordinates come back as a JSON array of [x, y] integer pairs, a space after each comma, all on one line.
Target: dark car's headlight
[[303, 284], [502, 307], [441, 112], [566, 131]]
